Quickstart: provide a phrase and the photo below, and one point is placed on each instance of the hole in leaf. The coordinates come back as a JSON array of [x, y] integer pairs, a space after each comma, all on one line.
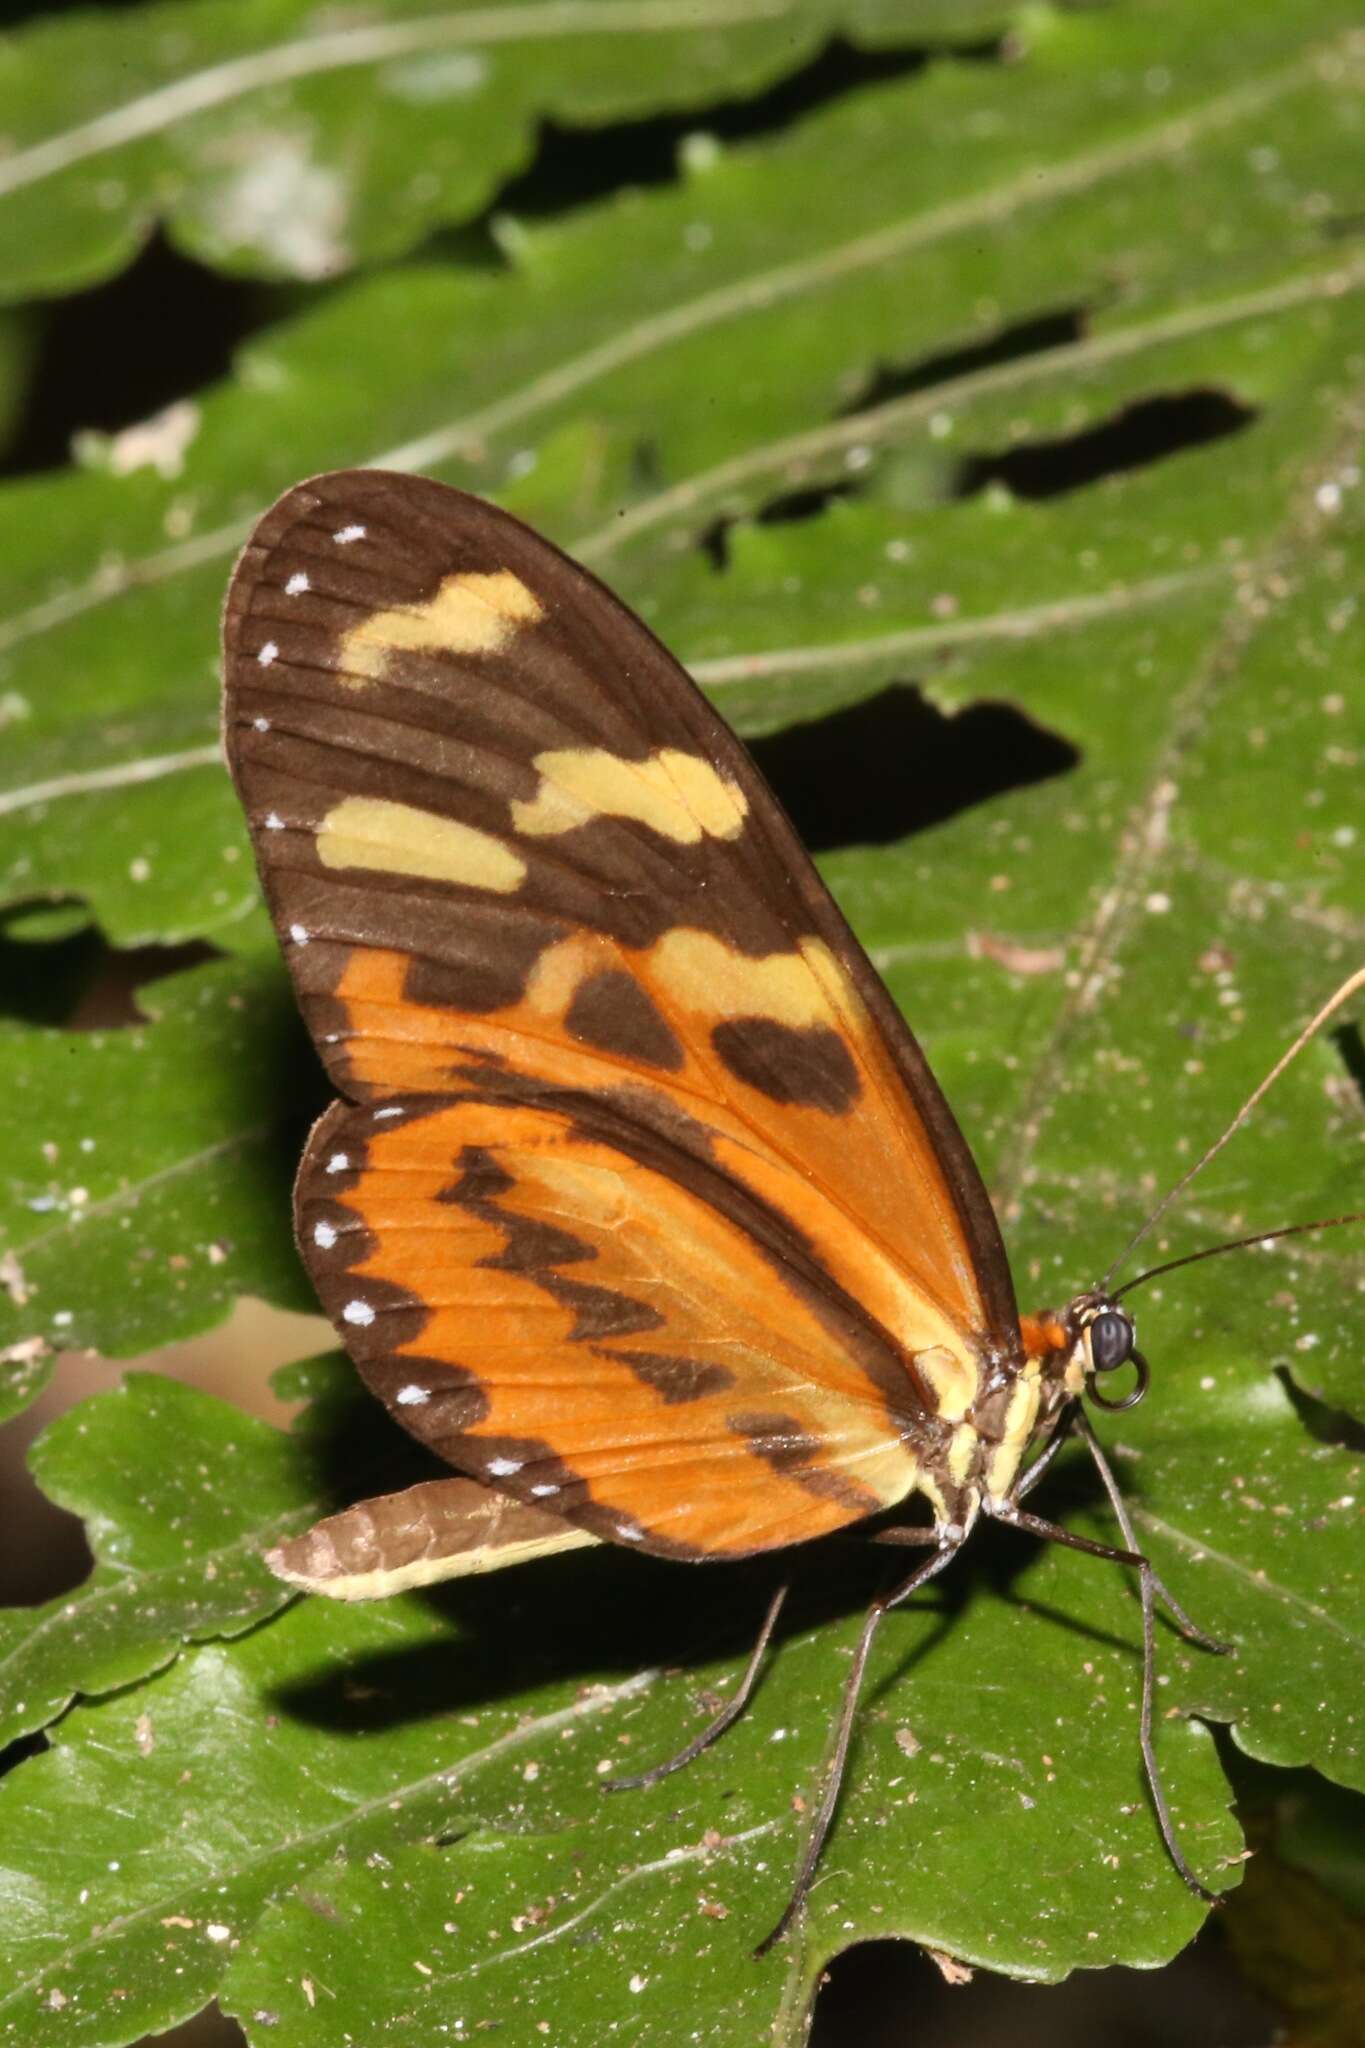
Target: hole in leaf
[[1328, 1425], [24, 1746], [1199, 1998], [20, 11], [110, 1001], [166, 328], [1351, 1048], [886, 382], [895, 764], [808, 501], [1141, 434], [72, 978], [1028, 337], [574, 165]]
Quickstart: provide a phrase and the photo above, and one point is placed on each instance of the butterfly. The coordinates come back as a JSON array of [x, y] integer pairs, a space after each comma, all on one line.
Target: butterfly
[[640, 1205]]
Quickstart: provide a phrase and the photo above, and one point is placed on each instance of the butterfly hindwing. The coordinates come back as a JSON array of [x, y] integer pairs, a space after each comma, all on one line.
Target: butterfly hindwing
[[436, 1530], [551, 929]]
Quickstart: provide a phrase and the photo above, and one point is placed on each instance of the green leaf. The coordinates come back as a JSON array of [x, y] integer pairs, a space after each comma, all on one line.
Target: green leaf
[[181, 1495], [278, 141], [146, 1175], [995, 1808], [663, 360], [990, 445], [175, 1562]]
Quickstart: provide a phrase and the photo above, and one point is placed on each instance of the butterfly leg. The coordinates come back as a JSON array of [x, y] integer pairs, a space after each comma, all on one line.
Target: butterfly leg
[[1188, 1628], [1076, 1418], [1060, 1431], [729, 1713], [838, 1759], [1034, 1525]]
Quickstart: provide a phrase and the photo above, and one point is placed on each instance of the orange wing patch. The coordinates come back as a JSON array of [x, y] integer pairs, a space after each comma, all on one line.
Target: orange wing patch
[[777, 1052], [573, 1319]]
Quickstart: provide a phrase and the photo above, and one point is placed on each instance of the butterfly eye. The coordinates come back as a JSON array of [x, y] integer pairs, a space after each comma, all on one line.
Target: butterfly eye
[[1111, 1341]]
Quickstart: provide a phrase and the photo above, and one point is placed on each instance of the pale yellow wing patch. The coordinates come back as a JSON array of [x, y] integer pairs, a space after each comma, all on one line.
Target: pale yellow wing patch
[[680, 796], [471, 613], [398, 839]]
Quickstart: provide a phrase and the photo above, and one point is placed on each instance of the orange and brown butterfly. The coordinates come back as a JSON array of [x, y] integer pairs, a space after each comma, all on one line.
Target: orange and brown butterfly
[[641, 1207]]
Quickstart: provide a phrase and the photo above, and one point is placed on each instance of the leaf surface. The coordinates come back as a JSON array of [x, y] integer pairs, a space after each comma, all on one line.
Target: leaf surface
[[275, 140], [713, 348], [177, 1554], [147, 1174], [1009, 496]]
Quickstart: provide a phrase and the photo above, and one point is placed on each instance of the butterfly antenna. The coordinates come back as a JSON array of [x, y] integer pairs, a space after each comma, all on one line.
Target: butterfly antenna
[[1348, 988], [1237, 1244]]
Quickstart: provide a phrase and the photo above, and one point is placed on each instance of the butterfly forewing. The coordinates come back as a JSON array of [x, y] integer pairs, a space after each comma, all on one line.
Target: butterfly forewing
[[644, 1192]]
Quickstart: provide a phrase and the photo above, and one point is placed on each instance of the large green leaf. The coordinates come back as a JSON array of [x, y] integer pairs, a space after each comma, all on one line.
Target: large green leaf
[[671, 357], [147, 1170], [172, 1565], [995, 1809], [279, 141], [821, 411]]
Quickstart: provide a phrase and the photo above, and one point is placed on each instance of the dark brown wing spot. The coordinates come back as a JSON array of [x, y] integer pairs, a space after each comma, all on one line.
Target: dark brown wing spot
[[781, 1442], [678, 1380], [535, 1250], [612, 1013], [476, 963], [805, 1064]]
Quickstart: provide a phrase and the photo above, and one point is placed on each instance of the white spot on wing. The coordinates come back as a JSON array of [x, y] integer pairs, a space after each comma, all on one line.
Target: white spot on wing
[[270, 652], [546, 1486], [297, 584], [380, 1115], [347, 534], [299, 934], [338, 1162], [261, 724], [412, 1397], [275, 823], [325, 1234], [358, 1312], [503, 1468], [630, 1532]]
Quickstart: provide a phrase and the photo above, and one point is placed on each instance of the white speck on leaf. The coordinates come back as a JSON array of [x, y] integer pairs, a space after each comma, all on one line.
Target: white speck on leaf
[[425, 80], [157, 443], [275, 199]]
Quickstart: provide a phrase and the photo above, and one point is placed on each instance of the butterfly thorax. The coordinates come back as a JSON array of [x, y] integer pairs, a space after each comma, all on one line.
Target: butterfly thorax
[[1063, 1350]]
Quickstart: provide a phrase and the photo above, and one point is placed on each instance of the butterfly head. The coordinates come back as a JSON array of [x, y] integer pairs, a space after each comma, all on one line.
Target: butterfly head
[[1100, 1338]]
